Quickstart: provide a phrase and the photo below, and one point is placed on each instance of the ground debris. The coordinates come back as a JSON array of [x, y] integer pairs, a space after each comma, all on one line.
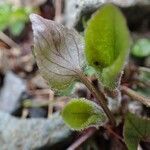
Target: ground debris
[[26, 134]]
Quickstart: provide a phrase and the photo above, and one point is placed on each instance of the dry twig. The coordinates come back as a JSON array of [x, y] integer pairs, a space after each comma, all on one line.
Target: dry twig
[[134, 95]]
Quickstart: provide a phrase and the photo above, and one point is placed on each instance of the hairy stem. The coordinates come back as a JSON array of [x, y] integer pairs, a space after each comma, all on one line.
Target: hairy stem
[[136, 96], [99, 96]]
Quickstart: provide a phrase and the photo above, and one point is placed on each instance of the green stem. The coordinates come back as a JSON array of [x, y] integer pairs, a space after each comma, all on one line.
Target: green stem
[[134, 95], [99, 96]]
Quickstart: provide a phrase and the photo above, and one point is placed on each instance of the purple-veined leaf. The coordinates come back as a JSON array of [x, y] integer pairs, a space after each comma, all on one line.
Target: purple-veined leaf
[[58, 51]]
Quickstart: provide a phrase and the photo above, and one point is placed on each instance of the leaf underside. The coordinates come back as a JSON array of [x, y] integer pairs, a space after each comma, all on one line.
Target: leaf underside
[[80, 113], [58, 51], [136, 129], [107, 44]]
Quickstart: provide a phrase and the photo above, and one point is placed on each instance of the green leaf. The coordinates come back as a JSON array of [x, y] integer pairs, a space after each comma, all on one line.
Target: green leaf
[[79, 114], [141, 48], [136, 129], [17, 28], [5, 13], [67, 91], [144, 76], [107, 44], [13, 18], [89, 71], [58, 51]]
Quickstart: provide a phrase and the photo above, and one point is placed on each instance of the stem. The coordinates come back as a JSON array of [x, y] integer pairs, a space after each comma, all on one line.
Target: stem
[[144, 83], [8, 40], [144, 69], [58, 9], [99, 96], [136, 96], [25, 113], [114, 134], [81, 139], [50, 106]]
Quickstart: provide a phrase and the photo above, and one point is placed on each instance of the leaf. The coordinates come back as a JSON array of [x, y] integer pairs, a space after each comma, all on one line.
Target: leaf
[[141, 48], [89, 71], [13, 18], [107, 44], [135, 130], [5, 13], [144, 76], [17, 28], [67, 91], [80, 113], [58, 51]]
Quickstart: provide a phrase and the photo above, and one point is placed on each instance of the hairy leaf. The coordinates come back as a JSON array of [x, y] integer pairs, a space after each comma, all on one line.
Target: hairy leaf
[[58, 51], [135, 130], [141, 48], [79, 114], [107, 44]]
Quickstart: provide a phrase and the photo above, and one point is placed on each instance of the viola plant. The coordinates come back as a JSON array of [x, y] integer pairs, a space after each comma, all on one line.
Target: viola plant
[[61, 54]]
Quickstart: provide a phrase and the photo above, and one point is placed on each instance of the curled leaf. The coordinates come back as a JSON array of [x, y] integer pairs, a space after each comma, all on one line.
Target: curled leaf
[[80, 113], [107, 44], [58, 51]]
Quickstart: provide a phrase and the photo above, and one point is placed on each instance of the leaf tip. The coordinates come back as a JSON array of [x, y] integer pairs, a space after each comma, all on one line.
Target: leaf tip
[[37, 23], [34, 17]]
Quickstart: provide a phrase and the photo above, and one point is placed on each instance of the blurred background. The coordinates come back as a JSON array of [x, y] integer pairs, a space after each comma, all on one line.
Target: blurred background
[[29, 109]]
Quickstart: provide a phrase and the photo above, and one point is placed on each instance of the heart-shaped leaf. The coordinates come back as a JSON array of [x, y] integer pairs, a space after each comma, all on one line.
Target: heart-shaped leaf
[[107, 44], [79, 114], [58, 51], [136, 129]]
